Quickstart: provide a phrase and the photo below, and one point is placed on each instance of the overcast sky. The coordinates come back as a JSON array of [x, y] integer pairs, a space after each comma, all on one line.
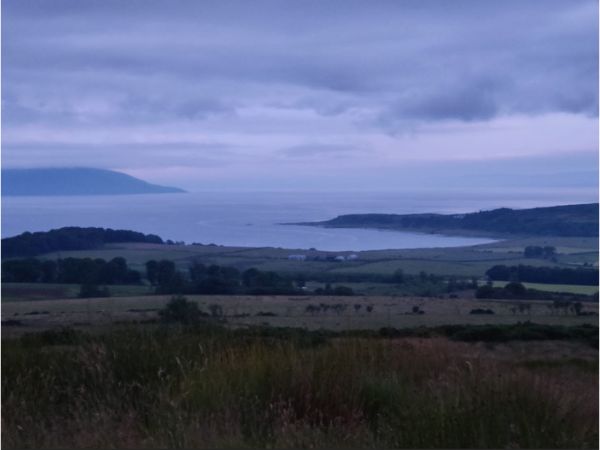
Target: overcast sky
[[306, 94]]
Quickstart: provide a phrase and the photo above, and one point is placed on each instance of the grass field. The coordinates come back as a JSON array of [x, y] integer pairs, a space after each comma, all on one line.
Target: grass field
[[566, 288], [333, 313], [214, 388], [460, 261]]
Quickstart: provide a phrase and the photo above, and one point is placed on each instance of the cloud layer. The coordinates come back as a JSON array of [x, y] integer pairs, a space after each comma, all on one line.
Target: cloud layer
[[225, 91]]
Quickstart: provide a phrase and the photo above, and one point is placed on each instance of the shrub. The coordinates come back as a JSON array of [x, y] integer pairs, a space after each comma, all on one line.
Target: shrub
[[92, 291], [179, 309]]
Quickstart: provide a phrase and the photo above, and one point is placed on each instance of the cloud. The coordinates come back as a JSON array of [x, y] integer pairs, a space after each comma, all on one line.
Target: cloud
[[316, 150], [283, 82], [468, 101]]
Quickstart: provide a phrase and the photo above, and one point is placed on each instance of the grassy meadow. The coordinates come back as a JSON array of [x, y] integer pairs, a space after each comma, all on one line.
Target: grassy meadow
[[310, 312], [215, 388]]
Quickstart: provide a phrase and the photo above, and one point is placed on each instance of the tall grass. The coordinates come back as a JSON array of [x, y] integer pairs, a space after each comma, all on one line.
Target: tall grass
[[197, 387]]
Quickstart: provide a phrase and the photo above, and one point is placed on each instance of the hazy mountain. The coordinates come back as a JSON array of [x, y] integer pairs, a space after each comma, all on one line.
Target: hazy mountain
[[75, 181]]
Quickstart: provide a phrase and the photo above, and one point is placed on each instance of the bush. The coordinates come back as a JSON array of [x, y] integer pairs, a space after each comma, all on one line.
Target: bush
[[180, 310], [265, 314], [92, 291]]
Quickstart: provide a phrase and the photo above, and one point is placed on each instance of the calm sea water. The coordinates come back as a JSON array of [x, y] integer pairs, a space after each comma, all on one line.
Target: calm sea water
[[254, 219]]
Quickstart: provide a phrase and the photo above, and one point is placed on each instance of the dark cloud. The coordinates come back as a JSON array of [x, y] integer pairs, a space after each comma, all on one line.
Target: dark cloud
[[468, 100], [547, 53]]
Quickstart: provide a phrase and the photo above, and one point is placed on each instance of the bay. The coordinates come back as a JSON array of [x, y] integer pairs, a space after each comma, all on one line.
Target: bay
[[255, 219]]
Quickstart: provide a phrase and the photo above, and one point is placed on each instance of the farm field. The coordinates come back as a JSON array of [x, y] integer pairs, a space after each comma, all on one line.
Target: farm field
[[310, 312], [458, 261]]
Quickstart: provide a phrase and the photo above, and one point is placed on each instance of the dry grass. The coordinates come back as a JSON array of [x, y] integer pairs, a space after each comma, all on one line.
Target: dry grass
[[199, 387], [288, 311]]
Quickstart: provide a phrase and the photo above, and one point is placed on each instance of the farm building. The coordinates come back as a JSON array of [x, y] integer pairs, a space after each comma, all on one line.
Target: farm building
[[297, 257]]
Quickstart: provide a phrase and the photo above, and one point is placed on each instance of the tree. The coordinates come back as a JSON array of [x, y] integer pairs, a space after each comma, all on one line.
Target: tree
[[399, 276], [516, 288], [180, 310], [165, 271], [485, 291], [152, 272], [49, 271], [21, 271]]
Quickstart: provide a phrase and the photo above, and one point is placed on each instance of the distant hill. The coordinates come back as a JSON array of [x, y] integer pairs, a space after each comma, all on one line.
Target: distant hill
[[69, 238], [75, 181], [570, 220]]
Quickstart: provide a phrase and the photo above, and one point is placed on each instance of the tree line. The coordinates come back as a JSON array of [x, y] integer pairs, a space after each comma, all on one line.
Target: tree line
[[69, 271], [553, 275], [69, 238], [517, 291], [214, 279]]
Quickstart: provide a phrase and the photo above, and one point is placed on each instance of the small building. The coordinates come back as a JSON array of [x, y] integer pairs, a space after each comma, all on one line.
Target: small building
[[352, 257], [340, 258], [297, 257]]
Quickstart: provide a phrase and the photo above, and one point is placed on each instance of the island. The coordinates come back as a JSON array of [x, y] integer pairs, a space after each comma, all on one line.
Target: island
[[76, 181]]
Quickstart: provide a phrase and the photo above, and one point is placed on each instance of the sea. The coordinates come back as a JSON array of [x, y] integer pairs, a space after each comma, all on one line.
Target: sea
[[257, 219]]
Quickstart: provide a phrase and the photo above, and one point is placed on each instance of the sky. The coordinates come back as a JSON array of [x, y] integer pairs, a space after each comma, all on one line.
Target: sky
[[306, 95]]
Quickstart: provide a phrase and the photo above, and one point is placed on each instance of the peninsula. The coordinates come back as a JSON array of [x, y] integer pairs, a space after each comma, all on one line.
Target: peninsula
[[567, 221]]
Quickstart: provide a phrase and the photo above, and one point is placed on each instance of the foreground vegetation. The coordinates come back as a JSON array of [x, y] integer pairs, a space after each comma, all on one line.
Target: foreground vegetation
[[206, 386]]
